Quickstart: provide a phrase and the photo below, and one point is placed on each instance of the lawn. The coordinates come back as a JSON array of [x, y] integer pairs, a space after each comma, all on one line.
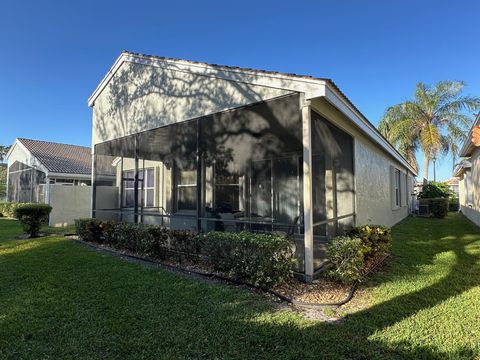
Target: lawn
[[59, 299]]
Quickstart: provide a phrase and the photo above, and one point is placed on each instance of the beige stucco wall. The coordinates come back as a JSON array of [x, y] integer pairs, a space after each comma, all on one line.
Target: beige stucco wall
[[68, 203], [141, 97], [373, 174], [469, 187]]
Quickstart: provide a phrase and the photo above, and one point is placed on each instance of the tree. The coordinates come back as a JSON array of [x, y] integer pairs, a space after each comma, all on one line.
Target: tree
[[3, 152], [435, 122]]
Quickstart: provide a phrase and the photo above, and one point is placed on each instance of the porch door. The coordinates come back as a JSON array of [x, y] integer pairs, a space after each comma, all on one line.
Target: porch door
[[286, 189], [276, 189], [261, 189]]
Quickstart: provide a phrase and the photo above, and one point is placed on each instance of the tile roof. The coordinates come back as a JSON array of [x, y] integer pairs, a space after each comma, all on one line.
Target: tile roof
[[60, 158]]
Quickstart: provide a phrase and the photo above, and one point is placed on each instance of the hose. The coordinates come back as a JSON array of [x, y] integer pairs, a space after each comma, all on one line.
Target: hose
[[278, 295]]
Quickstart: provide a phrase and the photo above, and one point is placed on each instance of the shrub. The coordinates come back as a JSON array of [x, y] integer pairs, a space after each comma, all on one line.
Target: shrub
[[434, 190], [375, 238], [439, 207], [346, 255], [89, 229], [132, 237], [32, 217], [185, 242], [8, 208], [454, 204], [156, 242], [260, 259]]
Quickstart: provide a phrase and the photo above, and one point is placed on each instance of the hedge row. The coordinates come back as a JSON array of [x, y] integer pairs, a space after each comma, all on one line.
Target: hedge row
[[438, 207], [8, 208], [349, 254], [260, 259]]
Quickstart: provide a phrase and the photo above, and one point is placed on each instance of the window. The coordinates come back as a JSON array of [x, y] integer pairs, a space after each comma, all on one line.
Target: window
[[186, 185], [128, 188], [149, 191], [146, 197], [397, 188], [227, 190]]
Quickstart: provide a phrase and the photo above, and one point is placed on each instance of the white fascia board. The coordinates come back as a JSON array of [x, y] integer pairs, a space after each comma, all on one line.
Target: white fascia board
[[311, 87], [32, 160], [69, 175], [339, 101], [468, 146]]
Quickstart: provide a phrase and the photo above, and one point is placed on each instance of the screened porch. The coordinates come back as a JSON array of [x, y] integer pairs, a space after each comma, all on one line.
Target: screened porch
[[236, 170]]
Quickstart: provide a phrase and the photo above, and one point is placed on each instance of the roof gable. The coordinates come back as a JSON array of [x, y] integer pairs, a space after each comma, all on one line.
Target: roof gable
[[60, 158], [312, 87]]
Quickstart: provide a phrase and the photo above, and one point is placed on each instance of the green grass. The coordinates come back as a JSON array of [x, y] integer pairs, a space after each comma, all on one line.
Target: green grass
[[59, 299]]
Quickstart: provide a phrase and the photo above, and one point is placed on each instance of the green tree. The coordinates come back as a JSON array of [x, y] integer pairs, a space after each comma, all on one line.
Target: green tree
[[435, 122], [3, 152]]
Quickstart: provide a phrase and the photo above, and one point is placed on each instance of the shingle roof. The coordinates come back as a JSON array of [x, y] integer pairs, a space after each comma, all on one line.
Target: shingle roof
[[60, 158]]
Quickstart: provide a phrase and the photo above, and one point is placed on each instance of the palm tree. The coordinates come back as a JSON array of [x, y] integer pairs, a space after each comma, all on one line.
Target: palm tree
[[435, 122]]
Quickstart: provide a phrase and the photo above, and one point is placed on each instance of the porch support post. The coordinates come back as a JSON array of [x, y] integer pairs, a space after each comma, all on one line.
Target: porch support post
[[94, 185], [199, 175], [135, 184], [307, 186]]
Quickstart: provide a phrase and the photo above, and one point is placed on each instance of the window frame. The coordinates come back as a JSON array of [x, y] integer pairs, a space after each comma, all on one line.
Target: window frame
[[142, 188], [177, 186], [397, 174]]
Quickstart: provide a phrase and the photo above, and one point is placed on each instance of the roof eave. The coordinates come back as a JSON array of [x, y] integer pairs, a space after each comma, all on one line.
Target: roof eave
[[251, 76]]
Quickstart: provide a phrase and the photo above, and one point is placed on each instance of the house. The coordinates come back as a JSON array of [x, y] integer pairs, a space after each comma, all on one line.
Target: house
[[211, 147], [51, 173], [453, 186], [468, 172]]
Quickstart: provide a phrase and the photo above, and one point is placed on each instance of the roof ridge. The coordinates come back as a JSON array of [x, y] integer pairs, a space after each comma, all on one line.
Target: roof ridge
[[53, 142], [272, 72]]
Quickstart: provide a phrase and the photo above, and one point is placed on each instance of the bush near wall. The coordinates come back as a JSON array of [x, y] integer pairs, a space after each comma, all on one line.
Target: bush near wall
[[8, 208], [349, 254], [438, 207], [346, 254], [260, 259], [454, 204], [375, 238], [434, 190]]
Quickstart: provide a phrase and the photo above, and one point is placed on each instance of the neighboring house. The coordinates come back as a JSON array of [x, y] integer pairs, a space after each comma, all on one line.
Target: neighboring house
[[453, 186], [200, 146], [468, 172], [52, 173]]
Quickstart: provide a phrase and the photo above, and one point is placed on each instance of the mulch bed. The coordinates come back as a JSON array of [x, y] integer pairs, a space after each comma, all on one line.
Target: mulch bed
[[320, 291]]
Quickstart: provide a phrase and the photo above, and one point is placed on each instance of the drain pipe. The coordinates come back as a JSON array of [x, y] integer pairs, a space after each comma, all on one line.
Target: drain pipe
[[278, 295]]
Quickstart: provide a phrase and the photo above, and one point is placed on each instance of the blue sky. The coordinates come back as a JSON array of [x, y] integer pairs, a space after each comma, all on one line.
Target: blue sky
[[53, 54]]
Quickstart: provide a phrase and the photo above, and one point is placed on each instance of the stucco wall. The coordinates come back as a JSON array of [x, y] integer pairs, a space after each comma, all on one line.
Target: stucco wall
[[141, 97], [373, 174], [19, 154], [68, 203], [469, 186], [374, 200]]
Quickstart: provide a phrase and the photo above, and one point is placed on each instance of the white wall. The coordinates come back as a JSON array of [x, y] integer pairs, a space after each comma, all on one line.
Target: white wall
[[68, 203], [141, 97], [469, 187]]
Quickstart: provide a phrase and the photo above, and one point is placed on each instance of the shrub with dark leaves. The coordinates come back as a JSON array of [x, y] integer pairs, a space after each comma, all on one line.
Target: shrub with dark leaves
[[32, 217]]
